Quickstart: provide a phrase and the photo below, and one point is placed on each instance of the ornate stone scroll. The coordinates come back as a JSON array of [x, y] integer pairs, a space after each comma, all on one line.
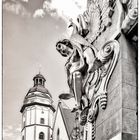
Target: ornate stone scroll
[[108, 55], [131, 14]]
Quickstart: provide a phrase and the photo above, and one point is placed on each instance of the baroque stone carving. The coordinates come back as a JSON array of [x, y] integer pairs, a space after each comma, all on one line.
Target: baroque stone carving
[[89, 68], [131, 14]]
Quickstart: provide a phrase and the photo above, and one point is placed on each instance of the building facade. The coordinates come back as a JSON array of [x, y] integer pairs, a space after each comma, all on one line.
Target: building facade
[[37, 112]]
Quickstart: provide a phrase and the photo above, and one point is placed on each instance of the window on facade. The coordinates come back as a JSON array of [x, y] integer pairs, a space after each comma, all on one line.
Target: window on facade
[[22, 137], [41, 136], [58, 133], [42, 121]]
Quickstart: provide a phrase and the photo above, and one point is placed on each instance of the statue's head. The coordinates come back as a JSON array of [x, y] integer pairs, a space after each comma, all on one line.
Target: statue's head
[[64, 47]]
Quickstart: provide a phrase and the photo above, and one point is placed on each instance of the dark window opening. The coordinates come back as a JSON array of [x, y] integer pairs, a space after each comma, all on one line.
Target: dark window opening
[[42, 121], [41, 136], [40, 81], [36, 81], [58, 133]]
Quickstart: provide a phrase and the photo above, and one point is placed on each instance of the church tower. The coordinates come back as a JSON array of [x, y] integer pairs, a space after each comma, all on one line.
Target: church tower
[[37, 112]]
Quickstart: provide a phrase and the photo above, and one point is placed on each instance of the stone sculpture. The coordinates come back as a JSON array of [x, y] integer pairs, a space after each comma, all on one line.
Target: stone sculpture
[[89, 68]]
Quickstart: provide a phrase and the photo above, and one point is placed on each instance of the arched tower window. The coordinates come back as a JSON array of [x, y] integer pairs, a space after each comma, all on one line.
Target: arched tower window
[[41, 136], [36, 81], [58, 134], [40, 81]]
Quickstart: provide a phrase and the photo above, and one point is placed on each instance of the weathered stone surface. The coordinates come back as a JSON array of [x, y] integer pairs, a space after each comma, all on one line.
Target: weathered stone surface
[[128, 72], [128, 136], [129, 97], [99, 133], [109, 127], [129, 121], [128, 51], [116, 78], [113, 105]]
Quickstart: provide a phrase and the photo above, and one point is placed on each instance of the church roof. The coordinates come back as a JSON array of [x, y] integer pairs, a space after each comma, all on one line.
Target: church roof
[[68, 117], [38, 94], [39, 86]]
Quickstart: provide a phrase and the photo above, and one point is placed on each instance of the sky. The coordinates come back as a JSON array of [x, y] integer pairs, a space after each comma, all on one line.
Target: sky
[[31, 29]]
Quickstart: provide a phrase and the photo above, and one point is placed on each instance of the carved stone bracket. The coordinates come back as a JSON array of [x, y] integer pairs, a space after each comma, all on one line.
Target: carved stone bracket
[[98, 82], [108, 55]]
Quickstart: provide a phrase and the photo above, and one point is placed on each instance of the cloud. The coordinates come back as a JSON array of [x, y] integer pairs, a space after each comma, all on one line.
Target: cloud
[[7, 131], [12, 132], [24, 0], [39, 13], [16, 7], [46, 9], [64, 9]]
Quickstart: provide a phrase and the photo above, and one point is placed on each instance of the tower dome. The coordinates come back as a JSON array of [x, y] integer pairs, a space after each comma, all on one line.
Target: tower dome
[[39, 86], [38, 94]]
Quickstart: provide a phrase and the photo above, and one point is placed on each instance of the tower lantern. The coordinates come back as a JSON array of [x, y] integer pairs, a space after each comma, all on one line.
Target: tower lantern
[[39, 80]]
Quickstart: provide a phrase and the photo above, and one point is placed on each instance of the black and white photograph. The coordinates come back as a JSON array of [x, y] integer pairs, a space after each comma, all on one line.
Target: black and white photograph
[[69, 70]]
